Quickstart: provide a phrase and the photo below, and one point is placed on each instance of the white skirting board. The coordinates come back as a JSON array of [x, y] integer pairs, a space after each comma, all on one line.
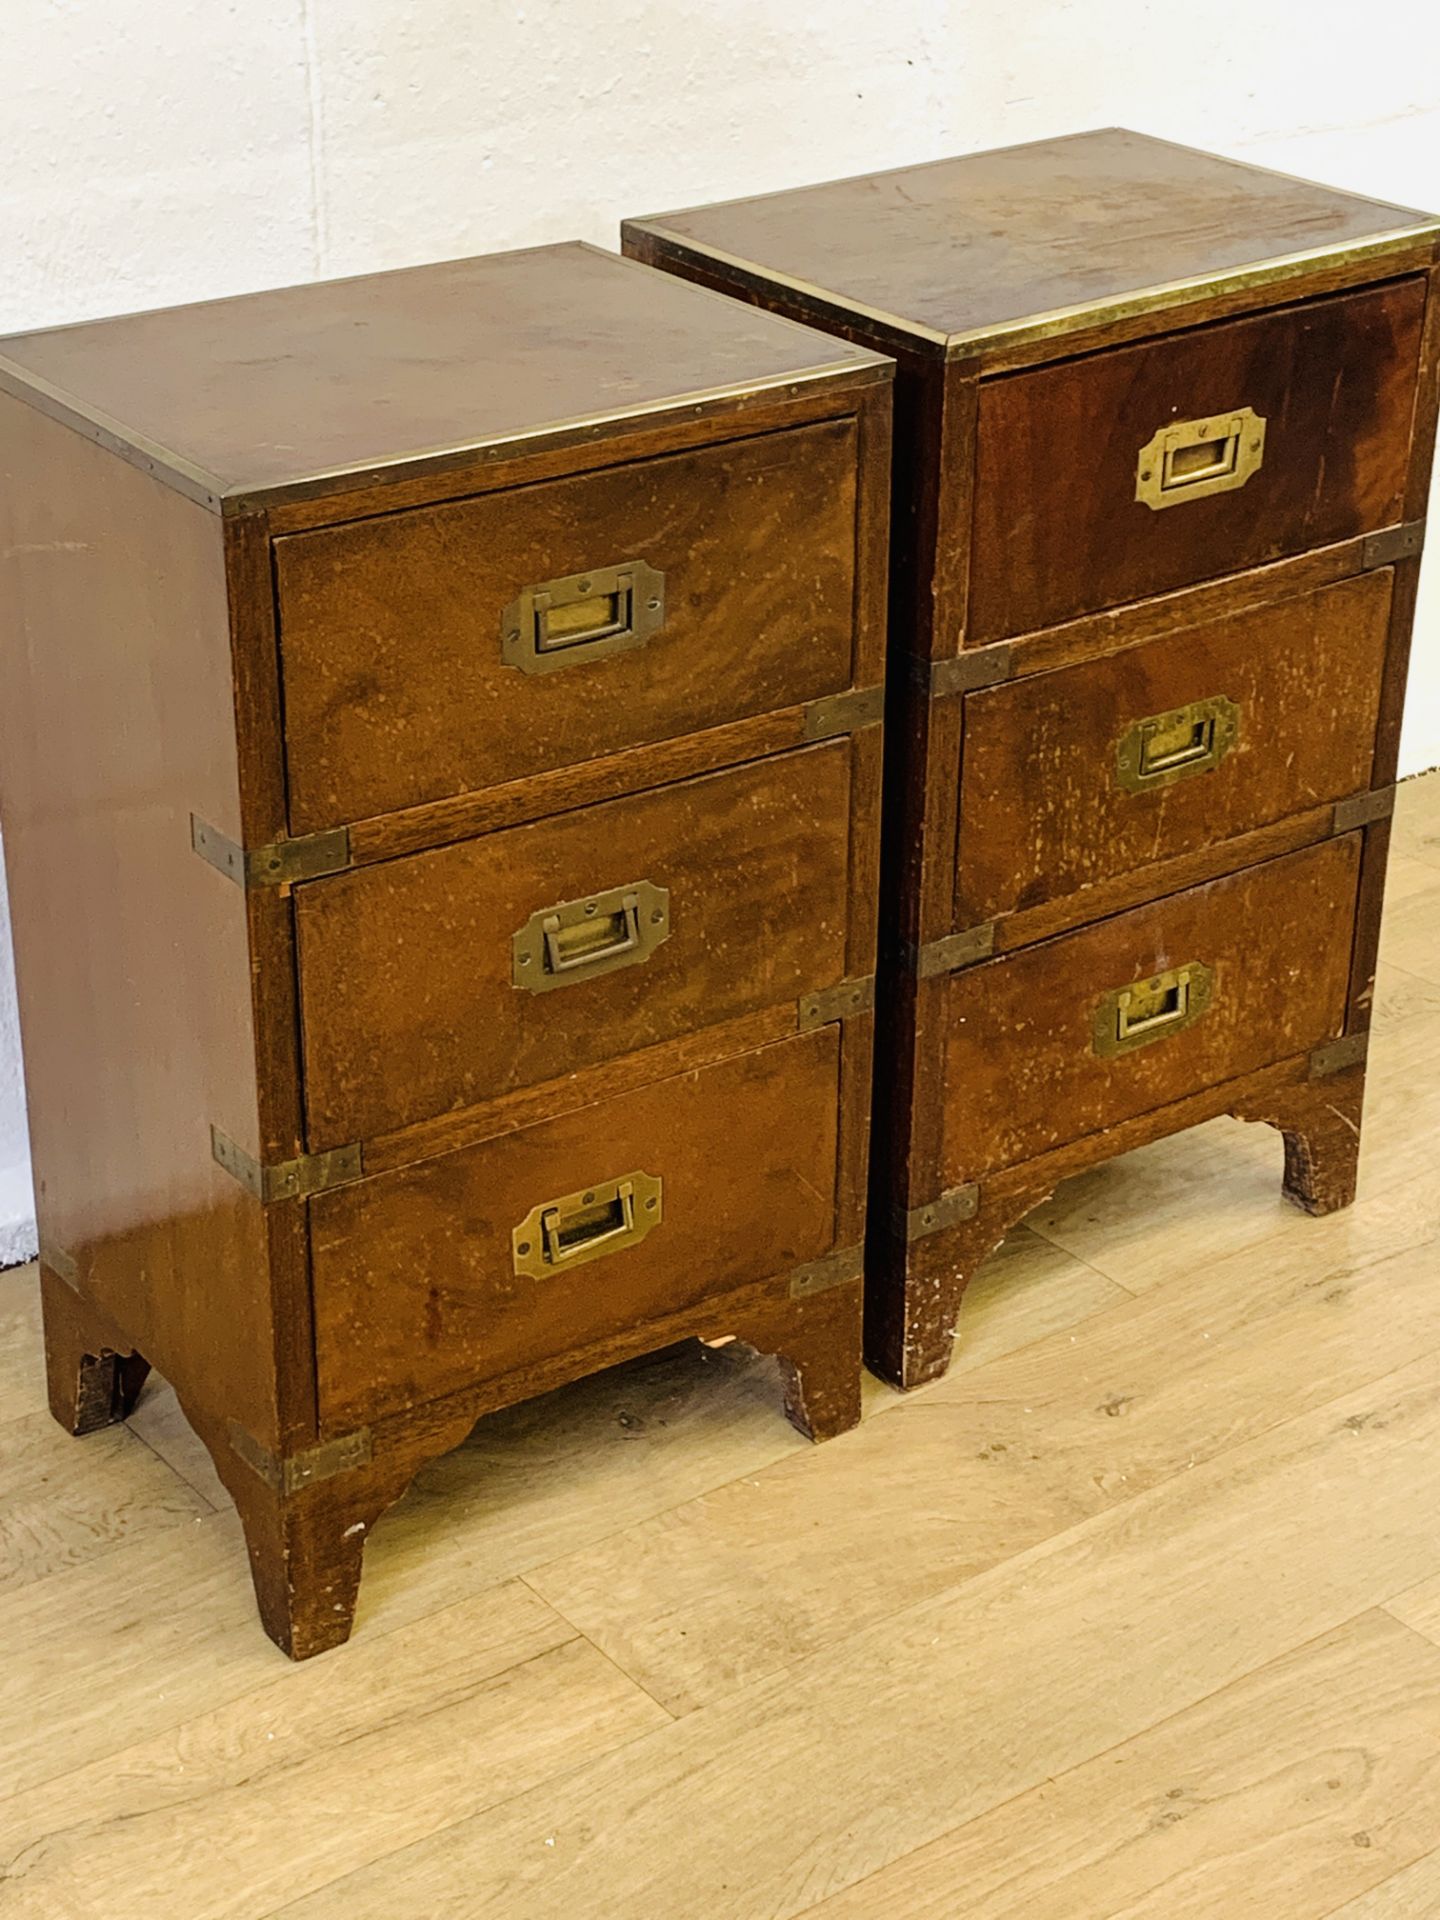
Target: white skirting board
[[17, 1216]]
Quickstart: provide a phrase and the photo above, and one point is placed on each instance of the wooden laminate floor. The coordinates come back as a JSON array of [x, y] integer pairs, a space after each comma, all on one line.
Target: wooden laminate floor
[[1136, 1613]]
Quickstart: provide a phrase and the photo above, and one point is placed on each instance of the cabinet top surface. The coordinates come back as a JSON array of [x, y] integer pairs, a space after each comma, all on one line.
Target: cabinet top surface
[[270, 391], [1036, 239]]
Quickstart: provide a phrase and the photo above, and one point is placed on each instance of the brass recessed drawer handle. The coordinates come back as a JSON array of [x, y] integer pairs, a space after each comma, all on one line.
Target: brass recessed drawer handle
[[1191, 459], [1165, 747], [588, 1224], [1152, 1009], [581, 939], [585, 616]]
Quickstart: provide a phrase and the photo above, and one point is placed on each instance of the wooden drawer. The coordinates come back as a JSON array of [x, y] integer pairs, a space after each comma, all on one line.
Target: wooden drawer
[[402, 687], [1059, 530], [1074, 776], [415, 1272], [409, 971], [1026, 1065]]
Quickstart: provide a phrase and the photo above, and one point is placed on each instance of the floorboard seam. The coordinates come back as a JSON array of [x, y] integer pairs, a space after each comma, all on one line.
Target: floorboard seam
[[183, 1478], [1053, 1541], [1140, 1733], [476, 1813], [1387, 1607], [609, 1658], [1377, 1886], [1080, 1261]]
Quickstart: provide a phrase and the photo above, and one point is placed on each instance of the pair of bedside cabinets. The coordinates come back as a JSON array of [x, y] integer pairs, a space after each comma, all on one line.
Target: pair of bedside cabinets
[[442, 785]]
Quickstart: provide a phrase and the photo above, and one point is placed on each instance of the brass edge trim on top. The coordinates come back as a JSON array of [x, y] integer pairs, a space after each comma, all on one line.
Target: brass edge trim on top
[[93, 423], [1023, 146], [207, 489], [1124, 306], [1057, 321], [872, 370], [829, 304], [857, 347], [1276, 173]]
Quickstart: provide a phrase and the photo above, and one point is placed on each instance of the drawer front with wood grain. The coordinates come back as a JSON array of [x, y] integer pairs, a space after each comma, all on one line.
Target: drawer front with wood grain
[[1130, 472], [1075, 776], [1070, 1037], [434, 982], [452, 648], [575, 1231]]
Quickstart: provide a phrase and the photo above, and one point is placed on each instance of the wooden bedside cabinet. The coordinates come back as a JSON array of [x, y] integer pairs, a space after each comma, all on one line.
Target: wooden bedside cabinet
[[441, 785], [1163, 436]]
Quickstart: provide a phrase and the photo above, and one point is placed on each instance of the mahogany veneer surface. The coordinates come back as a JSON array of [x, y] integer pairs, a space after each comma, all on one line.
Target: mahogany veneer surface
[[311, 708], [988, 241], [1164, 432], [270, 389]]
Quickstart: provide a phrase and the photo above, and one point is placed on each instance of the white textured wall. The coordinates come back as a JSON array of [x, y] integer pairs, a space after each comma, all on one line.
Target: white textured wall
[[155, 152]]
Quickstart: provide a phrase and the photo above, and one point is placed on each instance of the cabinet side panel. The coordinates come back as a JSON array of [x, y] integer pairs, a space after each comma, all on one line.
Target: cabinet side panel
[[116, 721]]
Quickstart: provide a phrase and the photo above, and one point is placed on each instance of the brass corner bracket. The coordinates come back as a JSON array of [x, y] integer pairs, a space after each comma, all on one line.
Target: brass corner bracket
[[1335, 1056], [1400, 542], [288, 1179], [845, 712], [836, 1269], [952, 952], [288, 1474], [61, 1262], [966, 672], [835, 1003], [280, 864], [953, 1207], [1363, 809]]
